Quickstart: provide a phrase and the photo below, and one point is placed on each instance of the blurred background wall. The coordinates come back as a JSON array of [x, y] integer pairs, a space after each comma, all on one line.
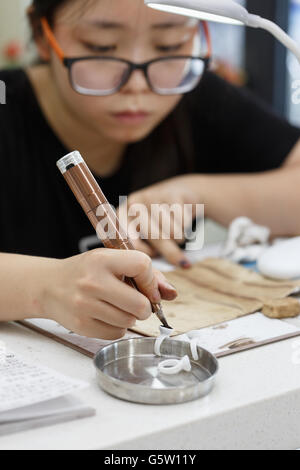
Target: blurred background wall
[[14, 33]]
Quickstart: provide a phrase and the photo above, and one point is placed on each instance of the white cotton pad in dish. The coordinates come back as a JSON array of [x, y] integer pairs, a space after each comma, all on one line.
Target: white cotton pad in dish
[[281, 261]]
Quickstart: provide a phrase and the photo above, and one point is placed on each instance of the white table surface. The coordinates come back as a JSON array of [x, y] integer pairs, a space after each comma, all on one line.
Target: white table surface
[[255, 405]]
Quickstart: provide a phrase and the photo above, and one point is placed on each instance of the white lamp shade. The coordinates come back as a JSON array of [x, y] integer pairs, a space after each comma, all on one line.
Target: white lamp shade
[[224, 11], [220, 11]]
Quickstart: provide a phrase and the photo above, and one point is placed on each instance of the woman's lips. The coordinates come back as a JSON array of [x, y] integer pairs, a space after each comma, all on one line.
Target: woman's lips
[[129, 117]]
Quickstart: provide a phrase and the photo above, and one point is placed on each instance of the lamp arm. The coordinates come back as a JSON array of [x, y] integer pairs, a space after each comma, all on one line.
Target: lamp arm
[[258, 22]]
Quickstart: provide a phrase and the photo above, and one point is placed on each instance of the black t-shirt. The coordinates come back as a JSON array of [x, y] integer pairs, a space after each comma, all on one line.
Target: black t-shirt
[[217, 128]]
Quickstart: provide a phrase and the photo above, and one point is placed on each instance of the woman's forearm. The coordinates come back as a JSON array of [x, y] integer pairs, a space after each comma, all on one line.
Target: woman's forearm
[[21, 286], [271, 198]]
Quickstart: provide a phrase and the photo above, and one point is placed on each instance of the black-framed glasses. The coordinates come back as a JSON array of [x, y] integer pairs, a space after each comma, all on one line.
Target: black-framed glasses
[[104, 76]]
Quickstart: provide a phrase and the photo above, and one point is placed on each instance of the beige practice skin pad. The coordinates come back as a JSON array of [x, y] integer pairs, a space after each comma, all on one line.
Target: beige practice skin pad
[[216, 291]]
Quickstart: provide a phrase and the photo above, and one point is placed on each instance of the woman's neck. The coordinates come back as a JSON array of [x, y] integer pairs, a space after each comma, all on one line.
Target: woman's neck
[[102, 155]]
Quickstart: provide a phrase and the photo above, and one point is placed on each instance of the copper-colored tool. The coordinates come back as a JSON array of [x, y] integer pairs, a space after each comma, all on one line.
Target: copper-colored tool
[[99, 211]]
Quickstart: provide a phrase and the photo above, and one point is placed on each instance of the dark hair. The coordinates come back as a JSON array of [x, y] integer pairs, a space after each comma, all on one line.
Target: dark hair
[[46, 8], [40, 8]]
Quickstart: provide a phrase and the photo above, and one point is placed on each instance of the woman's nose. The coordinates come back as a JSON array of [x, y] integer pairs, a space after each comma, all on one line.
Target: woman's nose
[[137, 83]]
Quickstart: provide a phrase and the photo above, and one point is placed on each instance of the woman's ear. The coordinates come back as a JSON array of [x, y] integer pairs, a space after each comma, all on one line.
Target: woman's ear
[[38, 35]]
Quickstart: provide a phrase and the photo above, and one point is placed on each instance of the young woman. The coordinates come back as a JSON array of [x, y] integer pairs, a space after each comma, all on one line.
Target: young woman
[[151, 123]]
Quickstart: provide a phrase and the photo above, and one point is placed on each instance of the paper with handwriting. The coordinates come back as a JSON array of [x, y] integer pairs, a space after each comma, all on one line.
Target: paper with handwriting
[[23, 384]]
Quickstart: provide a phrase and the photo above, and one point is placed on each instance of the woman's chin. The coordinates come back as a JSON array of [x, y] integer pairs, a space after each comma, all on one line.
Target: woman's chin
[[129, 136]]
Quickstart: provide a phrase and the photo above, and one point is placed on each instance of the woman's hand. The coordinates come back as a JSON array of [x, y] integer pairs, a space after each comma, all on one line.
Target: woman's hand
[[170, 227], [87, 295]]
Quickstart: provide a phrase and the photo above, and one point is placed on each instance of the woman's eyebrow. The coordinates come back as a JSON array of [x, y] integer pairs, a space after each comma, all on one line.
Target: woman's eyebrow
[[170, 24], [102, 24]]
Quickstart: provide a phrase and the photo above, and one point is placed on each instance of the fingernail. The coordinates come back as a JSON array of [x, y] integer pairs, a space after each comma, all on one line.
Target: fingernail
[[185, 264], [169, 286]]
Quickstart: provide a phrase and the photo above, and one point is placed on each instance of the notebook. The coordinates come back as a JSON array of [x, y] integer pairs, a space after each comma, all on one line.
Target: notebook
[[33, 396]]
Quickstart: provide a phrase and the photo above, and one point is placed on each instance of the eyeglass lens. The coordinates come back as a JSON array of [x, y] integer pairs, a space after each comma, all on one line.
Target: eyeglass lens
[[104, 77]]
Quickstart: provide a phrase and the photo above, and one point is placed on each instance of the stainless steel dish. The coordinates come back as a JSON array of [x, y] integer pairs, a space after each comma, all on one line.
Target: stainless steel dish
[[128, 370]]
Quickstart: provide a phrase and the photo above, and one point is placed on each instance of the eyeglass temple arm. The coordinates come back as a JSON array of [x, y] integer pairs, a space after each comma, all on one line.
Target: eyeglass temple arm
[[208, 38], [51, 39]]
